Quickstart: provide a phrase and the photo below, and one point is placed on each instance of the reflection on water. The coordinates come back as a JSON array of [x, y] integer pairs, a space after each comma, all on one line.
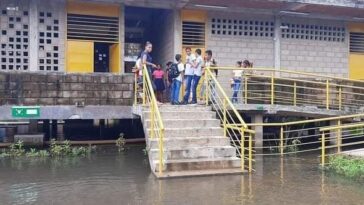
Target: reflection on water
[[112, 178]]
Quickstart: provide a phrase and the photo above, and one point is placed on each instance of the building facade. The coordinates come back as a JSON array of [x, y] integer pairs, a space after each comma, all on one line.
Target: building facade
[[106, 36]]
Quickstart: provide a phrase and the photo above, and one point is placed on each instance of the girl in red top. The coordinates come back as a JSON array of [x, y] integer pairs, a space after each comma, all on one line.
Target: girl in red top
[[158, 77]]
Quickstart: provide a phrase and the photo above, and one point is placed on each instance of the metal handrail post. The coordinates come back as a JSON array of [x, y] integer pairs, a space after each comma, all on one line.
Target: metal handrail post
[[242, 149]]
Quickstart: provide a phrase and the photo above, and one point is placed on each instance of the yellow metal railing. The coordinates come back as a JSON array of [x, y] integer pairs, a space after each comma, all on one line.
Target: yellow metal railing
[[300, 135], [283, 87], [340, 138], [233, 124], [149, 101]]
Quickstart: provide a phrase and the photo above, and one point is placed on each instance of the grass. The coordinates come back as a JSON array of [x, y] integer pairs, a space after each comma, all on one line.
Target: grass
[[352, 167]]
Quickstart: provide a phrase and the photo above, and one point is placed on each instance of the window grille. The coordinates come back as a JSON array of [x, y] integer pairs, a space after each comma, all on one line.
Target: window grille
[[357, 42], [193, 34], [94, 28]]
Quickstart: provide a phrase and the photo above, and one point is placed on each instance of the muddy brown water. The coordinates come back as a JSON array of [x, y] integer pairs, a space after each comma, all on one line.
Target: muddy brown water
[[108, 177]]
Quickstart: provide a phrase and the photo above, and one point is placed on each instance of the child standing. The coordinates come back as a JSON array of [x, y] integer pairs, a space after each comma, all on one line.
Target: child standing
[[158, 77]]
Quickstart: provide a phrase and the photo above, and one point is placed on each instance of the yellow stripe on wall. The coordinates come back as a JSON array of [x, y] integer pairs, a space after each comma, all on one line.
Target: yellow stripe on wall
[[94, 9]]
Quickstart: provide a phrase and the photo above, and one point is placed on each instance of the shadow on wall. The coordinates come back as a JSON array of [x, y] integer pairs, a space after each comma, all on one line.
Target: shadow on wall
[[103, 129]]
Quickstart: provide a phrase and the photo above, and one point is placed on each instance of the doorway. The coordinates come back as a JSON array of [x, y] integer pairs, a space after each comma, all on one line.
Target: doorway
[[101, 58], [147, 24]]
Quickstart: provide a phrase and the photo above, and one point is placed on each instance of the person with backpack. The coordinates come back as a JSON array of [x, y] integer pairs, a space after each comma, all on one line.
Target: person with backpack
[[176, 74]]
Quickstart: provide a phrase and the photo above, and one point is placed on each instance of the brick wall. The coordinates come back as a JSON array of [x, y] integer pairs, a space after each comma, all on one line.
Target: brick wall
[[328, 54], [228, 49], [19, 88]]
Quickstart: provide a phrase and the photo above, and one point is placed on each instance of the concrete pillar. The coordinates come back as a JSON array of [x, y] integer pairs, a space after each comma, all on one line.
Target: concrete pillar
[[258, 119], [60, 132], [277, 43], [177, 32], [122, 36], [46, 130], [33, 35], [54, 129], [33, 126]]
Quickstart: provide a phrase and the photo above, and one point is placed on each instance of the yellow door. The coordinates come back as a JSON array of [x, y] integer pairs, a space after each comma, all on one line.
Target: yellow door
[[356, 62], [80, 57], [114, 58], [356, 59]]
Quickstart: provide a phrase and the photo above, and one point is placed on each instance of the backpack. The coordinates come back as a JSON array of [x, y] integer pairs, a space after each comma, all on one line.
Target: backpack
[[173, 72]]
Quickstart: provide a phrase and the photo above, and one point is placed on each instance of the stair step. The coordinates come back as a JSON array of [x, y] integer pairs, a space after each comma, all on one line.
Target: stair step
[[181, 123], [193, 132], [168, 107], [198, 173], [184, 115], [195, 153], [183, 142], [199, 164]]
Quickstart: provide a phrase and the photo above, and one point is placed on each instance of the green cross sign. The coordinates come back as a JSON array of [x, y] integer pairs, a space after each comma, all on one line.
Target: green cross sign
[[25, 111]]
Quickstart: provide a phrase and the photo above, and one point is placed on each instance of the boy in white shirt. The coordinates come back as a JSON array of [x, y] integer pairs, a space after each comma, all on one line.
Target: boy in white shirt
[[189, 73]]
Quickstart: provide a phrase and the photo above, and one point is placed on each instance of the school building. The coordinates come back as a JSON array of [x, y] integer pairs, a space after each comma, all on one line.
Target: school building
[[74, 36], [61, 53]]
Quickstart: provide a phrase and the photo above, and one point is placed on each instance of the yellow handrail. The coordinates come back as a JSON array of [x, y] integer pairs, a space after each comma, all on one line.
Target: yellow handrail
[[338, 129], [155, 114], [209, 73], [341, 127], [241, 126], [288, 72], [300, 88]]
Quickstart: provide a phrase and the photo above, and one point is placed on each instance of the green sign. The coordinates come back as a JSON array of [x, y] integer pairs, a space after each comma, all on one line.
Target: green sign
[[25, 111]]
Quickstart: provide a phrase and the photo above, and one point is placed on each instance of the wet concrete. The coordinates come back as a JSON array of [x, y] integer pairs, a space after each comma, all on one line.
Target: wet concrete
[[108, 177]]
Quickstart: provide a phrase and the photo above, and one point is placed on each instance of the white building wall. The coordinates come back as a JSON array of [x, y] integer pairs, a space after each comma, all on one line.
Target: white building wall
[[327, 54], [324, 54], [227, 49]]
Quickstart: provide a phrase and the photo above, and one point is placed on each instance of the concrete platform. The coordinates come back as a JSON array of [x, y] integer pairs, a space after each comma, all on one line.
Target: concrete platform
[[355, 153], [73, 112], [305, 111], [200, 173]]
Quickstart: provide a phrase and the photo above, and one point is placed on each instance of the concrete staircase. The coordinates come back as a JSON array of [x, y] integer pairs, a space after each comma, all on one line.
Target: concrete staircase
[[194, 144]]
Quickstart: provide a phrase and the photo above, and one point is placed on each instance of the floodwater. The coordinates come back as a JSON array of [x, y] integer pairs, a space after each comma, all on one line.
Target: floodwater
[[108, 178]]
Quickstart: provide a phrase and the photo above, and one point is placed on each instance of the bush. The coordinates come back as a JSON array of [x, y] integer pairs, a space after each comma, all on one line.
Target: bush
[[55, 150], [352, 167]]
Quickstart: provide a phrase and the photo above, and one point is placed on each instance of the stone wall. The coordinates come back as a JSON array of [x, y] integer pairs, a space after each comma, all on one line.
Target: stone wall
[[35, 88]]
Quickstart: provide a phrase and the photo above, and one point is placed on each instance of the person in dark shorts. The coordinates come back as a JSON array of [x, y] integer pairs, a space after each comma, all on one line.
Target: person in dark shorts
[[158, 77]]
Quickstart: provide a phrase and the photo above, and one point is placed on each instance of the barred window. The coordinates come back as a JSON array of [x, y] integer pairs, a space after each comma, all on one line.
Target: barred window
[[235, 27], [356, 42], [193, 33], [48, 31], [14, 26], [313, 32]]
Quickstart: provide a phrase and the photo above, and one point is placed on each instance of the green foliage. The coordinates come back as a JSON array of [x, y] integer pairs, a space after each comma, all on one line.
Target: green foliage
[[17, 149], [120, 142], [351, 167], [55, 150]]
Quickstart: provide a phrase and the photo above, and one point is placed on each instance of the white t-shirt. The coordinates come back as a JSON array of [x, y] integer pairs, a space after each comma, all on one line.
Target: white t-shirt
[[238, 73], [181, 68], [138, 65], [198, 69], [189, 60]]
